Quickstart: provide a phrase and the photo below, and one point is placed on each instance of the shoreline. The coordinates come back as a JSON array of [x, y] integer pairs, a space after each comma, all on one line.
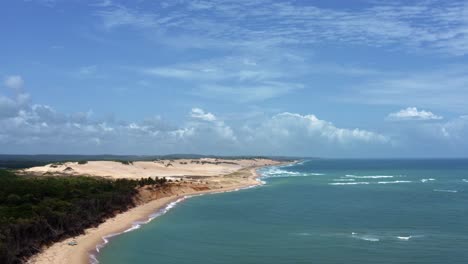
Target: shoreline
[[94, 239], [160, 211]]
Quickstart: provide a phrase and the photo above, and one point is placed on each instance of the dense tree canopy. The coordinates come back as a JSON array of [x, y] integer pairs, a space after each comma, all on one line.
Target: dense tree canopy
[[36, 211]]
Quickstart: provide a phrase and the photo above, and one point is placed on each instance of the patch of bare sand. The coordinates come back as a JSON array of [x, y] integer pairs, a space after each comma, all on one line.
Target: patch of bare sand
[[157, 168]]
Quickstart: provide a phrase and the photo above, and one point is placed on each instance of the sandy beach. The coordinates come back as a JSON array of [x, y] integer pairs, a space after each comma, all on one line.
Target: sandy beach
[[230, 177]]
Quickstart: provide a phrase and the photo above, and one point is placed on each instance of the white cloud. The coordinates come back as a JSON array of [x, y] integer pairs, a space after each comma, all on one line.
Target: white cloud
[[121, 16], [32, 127], [238, 79], [435, 25], [8, 107], [198, 113], [445, 88], [412, 113], [246, 93], [14, 82], [86, 71], [173, 73], [456, 129], [239, 69], [313, 128]]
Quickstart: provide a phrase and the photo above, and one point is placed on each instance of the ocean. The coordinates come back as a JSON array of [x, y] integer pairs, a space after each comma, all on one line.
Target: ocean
[[318, 211]]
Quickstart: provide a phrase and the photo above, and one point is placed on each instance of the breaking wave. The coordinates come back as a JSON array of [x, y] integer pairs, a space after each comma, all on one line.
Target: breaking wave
[[386, 237], [357, 183], [370, 238], [448, 191], [344, 180], [392, 182], [426, 180], [371, 176], [277, 172], [348, 183]]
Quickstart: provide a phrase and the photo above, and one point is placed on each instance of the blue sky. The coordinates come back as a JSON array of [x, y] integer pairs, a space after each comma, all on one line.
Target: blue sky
[[259, 77]]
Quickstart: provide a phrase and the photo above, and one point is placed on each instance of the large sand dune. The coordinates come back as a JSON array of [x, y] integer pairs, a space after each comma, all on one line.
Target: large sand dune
[[157, 168]]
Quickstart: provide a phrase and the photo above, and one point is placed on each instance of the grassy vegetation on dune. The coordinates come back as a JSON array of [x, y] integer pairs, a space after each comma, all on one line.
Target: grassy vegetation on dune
[[39, 211]]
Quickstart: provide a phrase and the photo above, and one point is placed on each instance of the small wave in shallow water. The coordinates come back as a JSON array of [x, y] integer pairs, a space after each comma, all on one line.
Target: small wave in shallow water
[[370, 238], [344, 180], [348, 183], [276, 172], [405, 238], [447, 191], [371, 176], [378, 238], [426, 180], [409, 237], [357, 183], [392, 182], [303, 234]]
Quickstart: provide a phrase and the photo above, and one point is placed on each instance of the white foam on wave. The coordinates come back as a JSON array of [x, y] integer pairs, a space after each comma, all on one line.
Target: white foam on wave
[[303, 234], [344, 180], [277, 172], [357, 183], [384, 237], [371, 176], [465, 180], [409, 237], [294, 164], [392, 182], [406, 238], [426, 180], [448, 191], [370, 238], [348, 183]]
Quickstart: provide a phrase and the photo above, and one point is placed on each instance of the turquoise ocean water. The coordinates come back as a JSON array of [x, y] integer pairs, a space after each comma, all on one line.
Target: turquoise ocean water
[[318, 211]]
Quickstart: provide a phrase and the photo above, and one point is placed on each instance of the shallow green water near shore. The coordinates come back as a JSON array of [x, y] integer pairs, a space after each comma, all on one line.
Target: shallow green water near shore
[[320, 211]]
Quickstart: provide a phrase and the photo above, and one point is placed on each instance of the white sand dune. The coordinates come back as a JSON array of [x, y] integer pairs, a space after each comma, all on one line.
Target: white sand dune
[[160, 168]]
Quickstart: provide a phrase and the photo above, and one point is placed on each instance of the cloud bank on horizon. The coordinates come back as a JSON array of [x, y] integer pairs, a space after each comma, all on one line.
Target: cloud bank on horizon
[[263, 77]]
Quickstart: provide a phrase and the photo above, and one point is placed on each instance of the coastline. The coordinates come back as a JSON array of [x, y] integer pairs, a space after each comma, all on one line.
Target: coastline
[[89, 243]]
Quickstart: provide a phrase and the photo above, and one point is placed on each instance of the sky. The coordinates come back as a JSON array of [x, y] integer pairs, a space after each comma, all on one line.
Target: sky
[[357, 78]]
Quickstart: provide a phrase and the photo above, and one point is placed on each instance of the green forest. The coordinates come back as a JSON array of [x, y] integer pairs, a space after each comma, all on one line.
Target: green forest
[[37, 211]]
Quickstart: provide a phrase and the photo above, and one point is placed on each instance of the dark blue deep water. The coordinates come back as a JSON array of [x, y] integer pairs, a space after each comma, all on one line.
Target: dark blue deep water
[[318, 211]]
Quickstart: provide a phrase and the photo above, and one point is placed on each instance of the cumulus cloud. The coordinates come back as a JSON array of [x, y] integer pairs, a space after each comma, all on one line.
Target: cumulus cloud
[[432, 139], [310, 127], [40, 128], [14, 82], [456, 129], [412, 113], [198, 113], [8, 107], [37, 128]]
